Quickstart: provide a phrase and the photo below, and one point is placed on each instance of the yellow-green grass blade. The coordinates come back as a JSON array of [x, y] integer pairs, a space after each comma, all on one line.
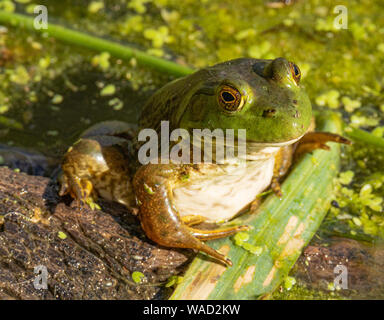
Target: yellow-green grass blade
[[282, 228], [364, 137]]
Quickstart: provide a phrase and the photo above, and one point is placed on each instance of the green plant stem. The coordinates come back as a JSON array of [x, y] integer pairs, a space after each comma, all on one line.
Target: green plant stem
[[94, 43], [364, 137]]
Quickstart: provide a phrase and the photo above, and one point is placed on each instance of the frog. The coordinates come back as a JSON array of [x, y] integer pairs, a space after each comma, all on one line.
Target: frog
[[264, 97]]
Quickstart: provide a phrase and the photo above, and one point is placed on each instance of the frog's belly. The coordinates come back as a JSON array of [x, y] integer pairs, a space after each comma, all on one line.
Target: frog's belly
[[222, 197]]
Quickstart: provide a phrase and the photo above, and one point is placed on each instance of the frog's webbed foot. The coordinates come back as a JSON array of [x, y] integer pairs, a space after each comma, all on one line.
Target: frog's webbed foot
[[201, 246], [276, 186], [204, 235], [79, 189], [317, 140], [91, 202]]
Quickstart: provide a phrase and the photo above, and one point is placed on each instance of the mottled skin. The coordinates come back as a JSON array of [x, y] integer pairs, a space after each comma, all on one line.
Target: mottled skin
[[262, 96]]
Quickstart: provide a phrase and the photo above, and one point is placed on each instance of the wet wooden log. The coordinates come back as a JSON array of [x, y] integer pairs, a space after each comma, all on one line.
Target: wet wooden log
[[362, 264], [87, 254]]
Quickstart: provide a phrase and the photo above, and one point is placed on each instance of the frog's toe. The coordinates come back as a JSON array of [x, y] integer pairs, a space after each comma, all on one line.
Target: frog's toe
[[75, 188], [64, 189], [191, 220], [92, 203], [276, 187], [86, 188], [83, 192], [320, 138], [211, 252], [216, 233], [317, 140], [79, 189]]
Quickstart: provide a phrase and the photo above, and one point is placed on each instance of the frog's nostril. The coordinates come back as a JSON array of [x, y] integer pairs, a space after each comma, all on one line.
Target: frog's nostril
[[269, 113]]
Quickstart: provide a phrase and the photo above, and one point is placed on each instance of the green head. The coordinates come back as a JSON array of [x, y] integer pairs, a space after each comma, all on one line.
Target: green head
[[262, 96]]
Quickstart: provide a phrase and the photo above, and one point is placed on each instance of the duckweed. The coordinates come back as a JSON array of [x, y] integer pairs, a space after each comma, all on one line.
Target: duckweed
[[173, 280], [108, 90], [102, 60], [289, 282], [241, 239], [329, 98], [7, 6], [137, 276], [95, 6], [159, 36], [116, 104], [57, 99], [19, 76], [349, 104], [62, 235]]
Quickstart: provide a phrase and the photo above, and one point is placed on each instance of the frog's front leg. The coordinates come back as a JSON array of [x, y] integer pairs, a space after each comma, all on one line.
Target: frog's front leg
[[283, 161], [309, 142], [317, 140], [160, 220], [75, 178], [77, 188], [97, 166]]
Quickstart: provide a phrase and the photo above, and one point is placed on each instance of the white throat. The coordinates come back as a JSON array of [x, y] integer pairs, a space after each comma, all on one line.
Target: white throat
[[219, 192]]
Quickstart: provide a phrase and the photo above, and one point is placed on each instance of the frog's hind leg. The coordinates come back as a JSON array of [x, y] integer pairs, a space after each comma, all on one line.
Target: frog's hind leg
[[216, 233], [161, 221], [317, 140], [203, 235]]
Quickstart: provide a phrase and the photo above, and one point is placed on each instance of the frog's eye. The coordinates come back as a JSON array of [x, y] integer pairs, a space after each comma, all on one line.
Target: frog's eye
[[295, 71], [230, 99]]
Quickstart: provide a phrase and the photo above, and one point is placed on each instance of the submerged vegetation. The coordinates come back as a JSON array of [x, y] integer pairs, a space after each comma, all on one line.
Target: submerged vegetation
[[49, 91]]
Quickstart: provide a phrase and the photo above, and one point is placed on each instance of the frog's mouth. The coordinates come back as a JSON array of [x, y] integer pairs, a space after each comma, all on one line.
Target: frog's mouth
[[240, 149], [255, 144], [239, 141]]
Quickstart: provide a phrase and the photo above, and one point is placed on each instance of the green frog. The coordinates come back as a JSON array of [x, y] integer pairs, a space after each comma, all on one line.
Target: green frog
[[264, 97]]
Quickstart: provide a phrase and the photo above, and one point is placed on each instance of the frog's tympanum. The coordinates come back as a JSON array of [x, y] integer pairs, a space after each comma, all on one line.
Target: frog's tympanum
[[264, 97]]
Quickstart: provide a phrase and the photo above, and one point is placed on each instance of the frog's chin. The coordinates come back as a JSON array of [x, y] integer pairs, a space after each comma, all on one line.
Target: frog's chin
[[256, 144]]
